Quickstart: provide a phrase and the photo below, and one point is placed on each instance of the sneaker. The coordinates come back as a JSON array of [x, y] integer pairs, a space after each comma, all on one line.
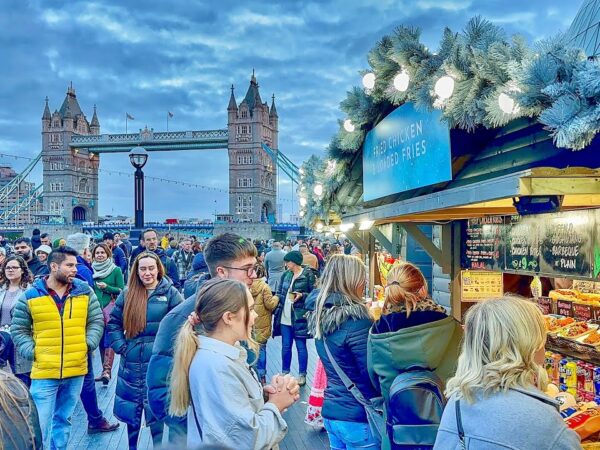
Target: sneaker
[[301, 380], [103, 426]]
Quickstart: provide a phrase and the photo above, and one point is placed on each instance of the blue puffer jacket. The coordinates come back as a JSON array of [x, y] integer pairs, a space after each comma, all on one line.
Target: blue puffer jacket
[[345, 327], [135, 353], [161, 361]]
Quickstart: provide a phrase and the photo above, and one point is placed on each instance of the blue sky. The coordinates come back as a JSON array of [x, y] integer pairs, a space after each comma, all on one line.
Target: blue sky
[[150, 57]]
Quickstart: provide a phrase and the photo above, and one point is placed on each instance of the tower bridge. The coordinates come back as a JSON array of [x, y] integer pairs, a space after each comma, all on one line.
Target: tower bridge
[[71, 149]]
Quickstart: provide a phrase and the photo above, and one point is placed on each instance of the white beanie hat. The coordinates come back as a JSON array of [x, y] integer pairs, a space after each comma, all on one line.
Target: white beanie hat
[[44, 248], [78, 242]]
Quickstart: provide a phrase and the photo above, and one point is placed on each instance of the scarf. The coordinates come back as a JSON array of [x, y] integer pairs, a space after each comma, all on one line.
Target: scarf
[[103, 269]]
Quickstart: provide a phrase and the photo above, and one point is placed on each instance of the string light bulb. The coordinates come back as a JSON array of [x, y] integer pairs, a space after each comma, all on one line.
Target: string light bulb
[[303, 201], [319, 226], [301, 213], [348, 126], [507, 104], [444, 87], [368, 80], [318, 189], [401, 81]]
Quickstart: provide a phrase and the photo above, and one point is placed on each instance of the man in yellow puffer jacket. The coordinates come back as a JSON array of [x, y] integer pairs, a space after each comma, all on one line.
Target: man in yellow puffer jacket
[[56, 322]]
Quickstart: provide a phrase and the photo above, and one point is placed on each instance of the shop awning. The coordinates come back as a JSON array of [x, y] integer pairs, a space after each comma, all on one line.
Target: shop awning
[[580, 187]]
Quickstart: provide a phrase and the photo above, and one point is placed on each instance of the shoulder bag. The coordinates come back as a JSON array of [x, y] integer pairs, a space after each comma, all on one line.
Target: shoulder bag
[[373, 407]]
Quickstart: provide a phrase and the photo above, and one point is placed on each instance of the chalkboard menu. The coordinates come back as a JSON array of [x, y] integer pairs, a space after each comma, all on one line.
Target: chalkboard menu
[[559, 244], [483, 243], [522, 244], [566, 243]]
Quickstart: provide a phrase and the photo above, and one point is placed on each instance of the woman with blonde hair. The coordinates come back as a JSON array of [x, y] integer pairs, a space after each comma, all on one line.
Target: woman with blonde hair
[[212, 382], [340, 325], [132, 329], [500, 377], [413, 331]]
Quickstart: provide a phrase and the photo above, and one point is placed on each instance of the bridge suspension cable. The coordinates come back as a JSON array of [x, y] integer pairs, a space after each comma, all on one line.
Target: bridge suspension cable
[[22, 204], [14, 184]]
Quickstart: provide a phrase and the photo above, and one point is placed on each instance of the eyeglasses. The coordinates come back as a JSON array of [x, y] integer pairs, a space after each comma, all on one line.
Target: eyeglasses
[[250, 271], [11, 268]]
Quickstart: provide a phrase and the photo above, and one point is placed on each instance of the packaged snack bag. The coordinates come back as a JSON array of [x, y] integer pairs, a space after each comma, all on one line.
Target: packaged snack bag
[[586, 423]]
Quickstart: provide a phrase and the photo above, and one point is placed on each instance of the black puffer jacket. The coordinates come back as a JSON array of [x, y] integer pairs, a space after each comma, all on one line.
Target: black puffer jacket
[[304, 284], [345, 327], [131, 393]]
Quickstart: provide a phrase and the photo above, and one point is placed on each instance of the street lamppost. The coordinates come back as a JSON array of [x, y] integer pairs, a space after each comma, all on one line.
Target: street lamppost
[[138, 157]]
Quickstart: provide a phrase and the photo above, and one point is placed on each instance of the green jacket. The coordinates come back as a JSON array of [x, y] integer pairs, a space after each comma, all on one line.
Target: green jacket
[[114, 286], [427, 339]]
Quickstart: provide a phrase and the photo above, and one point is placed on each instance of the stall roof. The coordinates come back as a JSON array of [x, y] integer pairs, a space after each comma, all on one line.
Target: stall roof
[[580, 187]]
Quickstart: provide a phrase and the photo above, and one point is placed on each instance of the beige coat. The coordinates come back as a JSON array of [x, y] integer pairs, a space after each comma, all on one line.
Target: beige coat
[[264, 305], [308, 259]]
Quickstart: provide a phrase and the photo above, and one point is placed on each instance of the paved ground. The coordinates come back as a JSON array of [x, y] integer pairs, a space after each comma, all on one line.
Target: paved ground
[[299, 437]]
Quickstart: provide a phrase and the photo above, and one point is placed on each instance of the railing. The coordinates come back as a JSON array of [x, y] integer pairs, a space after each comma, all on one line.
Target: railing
[[149, 136]]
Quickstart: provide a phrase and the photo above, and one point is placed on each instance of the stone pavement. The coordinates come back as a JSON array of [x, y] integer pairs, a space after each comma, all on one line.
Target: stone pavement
[[300, 436]]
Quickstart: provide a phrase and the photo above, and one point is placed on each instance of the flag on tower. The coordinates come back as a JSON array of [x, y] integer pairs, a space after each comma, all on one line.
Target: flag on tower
[[170, 114], [129, 116]]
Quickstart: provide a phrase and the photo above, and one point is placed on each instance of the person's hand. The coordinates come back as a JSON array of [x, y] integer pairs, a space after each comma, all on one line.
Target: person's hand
[[297, 296], [287, 391], [101, 285]]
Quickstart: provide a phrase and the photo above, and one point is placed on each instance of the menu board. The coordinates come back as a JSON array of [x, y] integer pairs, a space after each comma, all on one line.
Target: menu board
[[566, 243], [563, 244], [564, 308], [483, 243], [522, 244], [586, 286], [546, 305], [478, 285]]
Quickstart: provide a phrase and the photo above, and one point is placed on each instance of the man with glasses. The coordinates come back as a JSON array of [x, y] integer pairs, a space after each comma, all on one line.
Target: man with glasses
[[24, 249], [227, 256]]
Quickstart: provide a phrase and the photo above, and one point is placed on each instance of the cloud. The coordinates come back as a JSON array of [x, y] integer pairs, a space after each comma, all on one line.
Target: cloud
[[183, 56]]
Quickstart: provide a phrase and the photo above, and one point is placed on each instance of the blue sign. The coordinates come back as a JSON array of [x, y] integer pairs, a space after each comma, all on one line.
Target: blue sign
[[408, 149]]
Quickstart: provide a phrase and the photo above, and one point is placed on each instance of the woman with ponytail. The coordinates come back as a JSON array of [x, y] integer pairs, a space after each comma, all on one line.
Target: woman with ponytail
[[212, 382], [132, 329], [413, 331]]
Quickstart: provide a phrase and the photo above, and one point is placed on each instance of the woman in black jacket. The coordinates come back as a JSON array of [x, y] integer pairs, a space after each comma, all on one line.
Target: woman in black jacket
[[340, 325], [290, 316], [132, 329]]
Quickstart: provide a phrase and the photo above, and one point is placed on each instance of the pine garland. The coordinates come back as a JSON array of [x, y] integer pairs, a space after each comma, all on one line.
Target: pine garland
[[550, 81]]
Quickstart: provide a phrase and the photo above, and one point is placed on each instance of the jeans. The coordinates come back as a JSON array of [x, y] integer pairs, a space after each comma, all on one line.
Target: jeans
[[287, 339], [349, 435], [261, 365], [55, 401], [88, 395]]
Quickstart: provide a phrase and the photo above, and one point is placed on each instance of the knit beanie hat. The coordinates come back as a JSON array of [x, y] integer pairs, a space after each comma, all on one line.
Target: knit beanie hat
[[294, 256], [44, 248]]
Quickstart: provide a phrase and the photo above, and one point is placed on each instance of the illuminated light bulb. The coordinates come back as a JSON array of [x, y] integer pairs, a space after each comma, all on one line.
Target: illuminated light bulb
[[507, 104], [319, 227], [368, 80], [301, 171], [303, 201], [366, 225], [401, 81], [301, 213], [332, 229], [444, 87], [346, 227], [348, 126], [318, 189]]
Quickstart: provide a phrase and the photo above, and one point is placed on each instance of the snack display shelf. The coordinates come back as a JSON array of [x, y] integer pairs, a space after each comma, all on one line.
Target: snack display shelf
[[574, 350]]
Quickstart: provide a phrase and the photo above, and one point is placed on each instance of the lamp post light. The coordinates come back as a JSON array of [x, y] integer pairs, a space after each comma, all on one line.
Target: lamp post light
[[138, 157]]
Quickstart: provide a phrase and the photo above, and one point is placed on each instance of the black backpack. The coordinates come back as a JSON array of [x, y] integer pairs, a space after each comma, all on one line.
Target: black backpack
[[414, 409]]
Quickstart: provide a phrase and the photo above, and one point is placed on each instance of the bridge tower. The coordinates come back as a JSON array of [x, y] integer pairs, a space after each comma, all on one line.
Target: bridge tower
[[252, 173], [70, 175]]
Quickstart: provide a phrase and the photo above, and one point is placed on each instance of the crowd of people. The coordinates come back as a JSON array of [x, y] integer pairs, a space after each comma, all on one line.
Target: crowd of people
[[191, 320]]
